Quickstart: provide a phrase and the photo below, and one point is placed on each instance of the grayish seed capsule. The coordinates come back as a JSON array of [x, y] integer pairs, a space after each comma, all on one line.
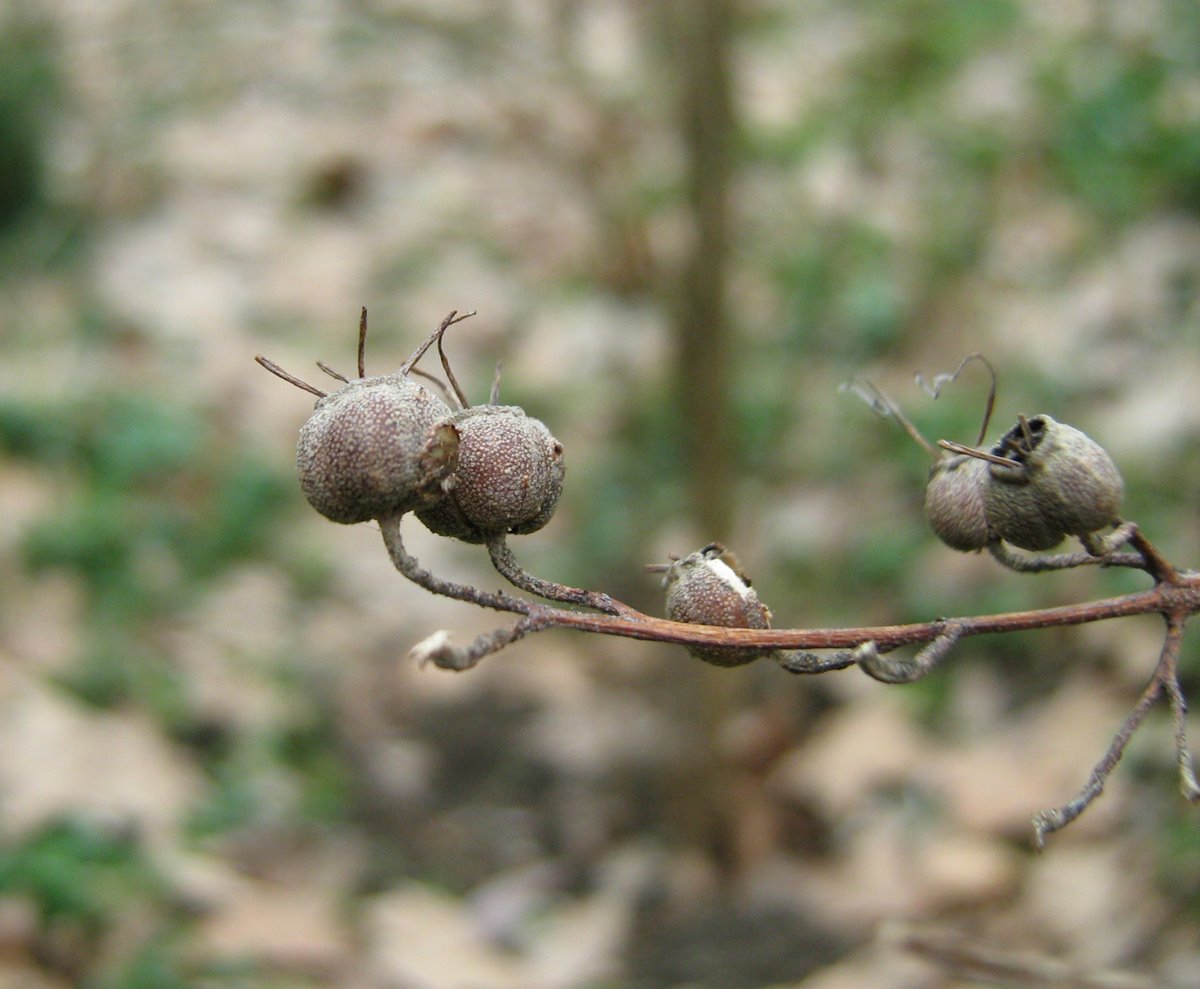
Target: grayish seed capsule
[[708, 587], [508, 478], [1064, 483], [375, 447], [954, 502]]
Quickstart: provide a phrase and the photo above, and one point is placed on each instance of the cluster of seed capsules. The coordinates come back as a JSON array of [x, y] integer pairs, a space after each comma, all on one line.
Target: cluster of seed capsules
[[1041, 482], [381, 446]]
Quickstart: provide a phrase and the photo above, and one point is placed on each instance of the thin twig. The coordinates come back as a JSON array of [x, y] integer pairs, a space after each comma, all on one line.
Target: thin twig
[[934, 389], [970, 451], [458, 392], [1167, 673], [906, 669], [1182, 598], [1165, 678], [802, 661], [437, 649], [507, 566], [1105, 544], [1003, 554], [1156, 564], [635, 625], [1175, 595], [410, 568], [882, 405]]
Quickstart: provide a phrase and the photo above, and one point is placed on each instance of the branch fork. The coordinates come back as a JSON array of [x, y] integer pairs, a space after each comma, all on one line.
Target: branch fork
[[1175, 595]]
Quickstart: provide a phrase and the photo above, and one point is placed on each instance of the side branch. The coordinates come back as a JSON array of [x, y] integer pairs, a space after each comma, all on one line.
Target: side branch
[[1165, 679], [412, 569], [1175, 596], [507, 566]]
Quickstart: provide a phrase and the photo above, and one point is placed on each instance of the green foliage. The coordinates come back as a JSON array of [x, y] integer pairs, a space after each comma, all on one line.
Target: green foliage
[[152, 506], [144, 473], [1120, 137], [1178, 844], [35, 432], [77, 872], [918, 44], [116, 667], [845, 293], [303, 752], [243, 498], [309, 749], [85, 881], [156, 964], [230, 802]]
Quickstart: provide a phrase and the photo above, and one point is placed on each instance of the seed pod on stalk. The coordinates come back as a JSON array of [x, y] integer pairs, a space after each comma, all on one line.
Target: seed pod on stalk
[[377, 446], [1056, 481], [708, 587]]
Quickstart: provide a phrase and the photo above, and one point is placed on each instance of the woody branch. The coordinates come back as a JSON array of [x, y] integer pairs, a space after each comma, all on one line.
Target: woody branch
[[1175, 595]]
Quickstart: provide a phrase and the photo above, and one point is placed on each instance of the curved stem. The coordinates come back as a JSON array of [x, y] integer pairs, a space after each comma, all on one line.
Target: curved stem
[[1099, 551], [447, 321], [389, 526], [437, 648], [905, 669], [507, 566], [802, 661], [1165, 679], [287, 376], [1167, 673], [1049, 821]]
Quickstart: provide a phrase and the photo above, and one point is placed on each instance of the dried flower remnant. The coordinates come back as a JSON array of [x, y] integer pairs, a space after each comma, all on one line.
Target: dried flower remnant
[[378, 445], [708, 587]]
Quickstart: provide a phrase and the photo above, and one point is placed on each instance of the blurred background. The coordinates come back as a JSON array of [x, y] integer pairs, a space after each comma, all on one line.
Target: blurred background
[[683, 225]]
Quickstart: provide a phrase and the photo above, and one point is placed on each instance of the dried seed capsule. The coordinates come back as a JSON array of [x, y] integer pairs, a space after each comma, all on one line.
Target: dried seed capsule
[[1062, 483], [954, 502], [708, 587], [508, 478], [375, 447]]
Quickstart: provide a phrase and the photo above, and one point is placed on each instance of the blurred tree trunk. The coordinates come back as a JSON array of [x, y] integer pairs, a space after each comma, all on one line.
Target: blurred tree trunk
[[703, 33]]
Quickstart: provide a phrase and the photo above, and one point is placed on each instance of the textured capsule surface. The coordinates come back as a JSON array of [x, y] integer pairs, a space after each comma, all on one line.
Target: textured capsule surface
[[509, 476], [708, 587], [1062, 483], [955, 502], [375, 447], [1080, 486]]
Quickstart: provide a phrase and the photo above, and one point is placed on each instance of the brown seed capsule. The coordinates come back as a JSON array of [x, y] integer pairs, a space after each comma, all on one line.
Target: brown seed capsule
[[708, 587], [508, 479], [1061, 483], [954, 502], [375, 447]]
